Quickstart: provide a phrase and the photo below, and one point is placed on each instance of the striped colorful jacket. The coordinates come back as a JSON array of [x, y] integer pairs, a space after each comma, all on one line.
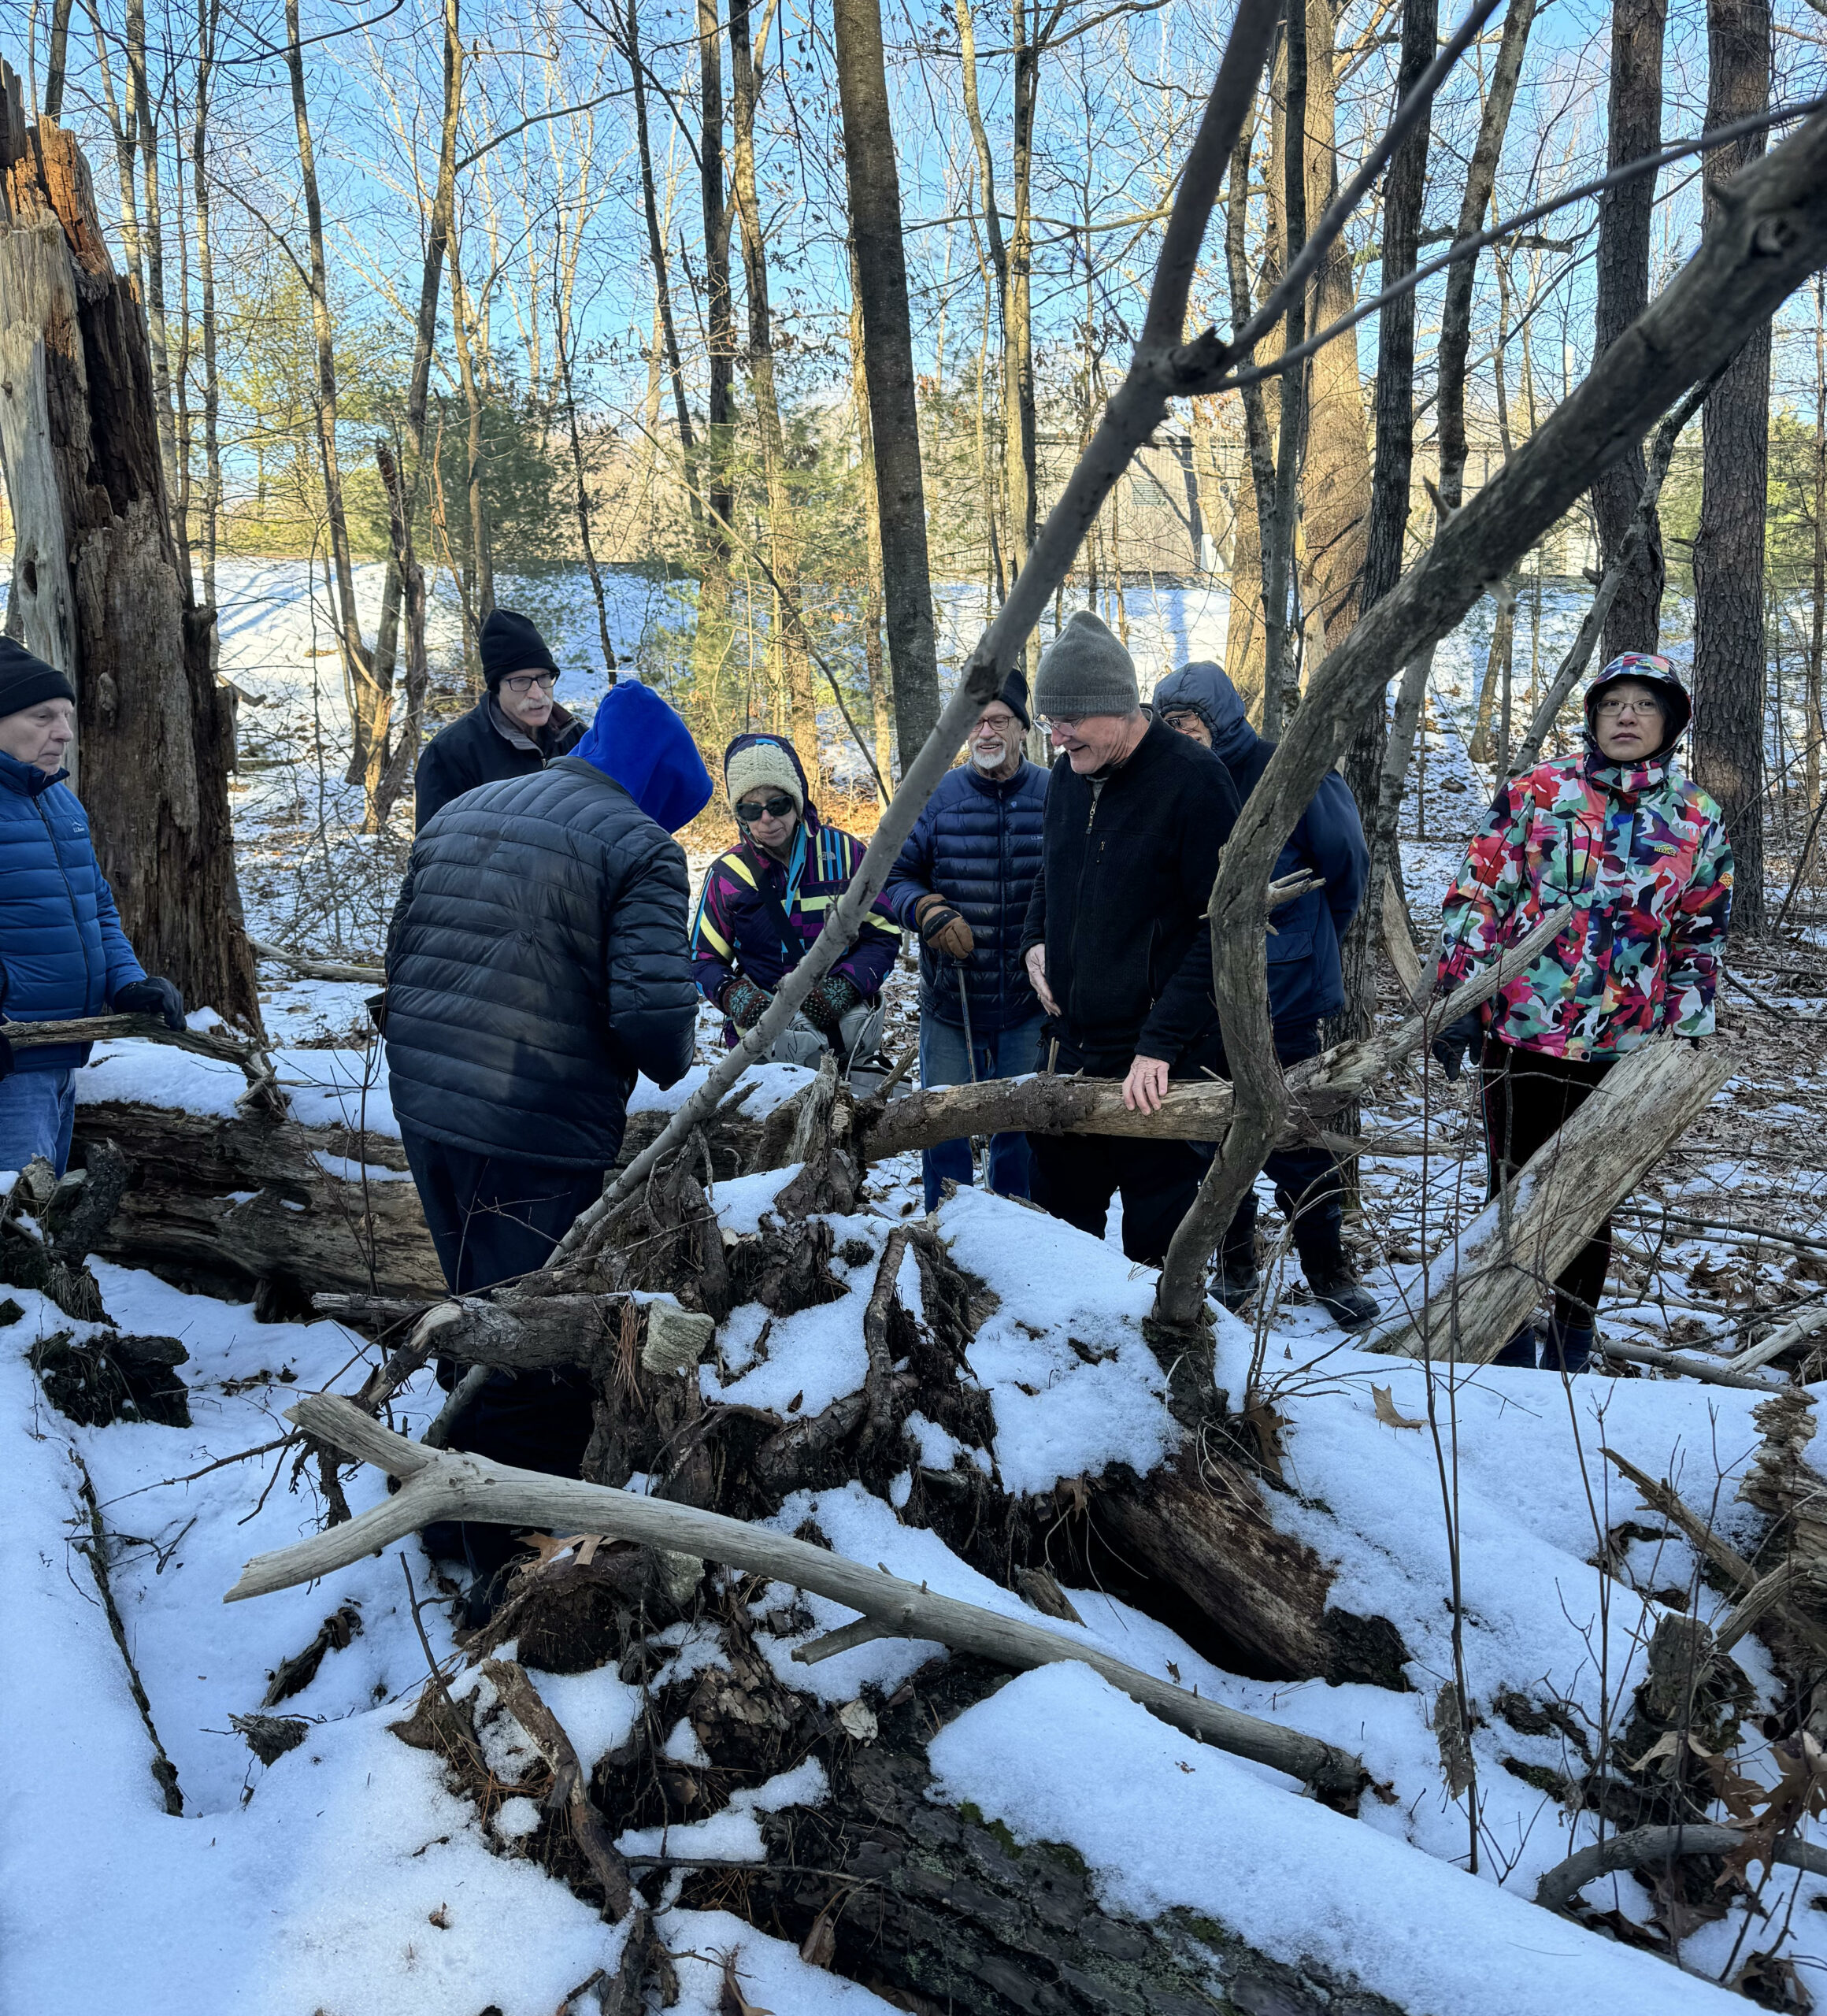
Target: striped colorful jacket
[[1641, 853], [735, 931]]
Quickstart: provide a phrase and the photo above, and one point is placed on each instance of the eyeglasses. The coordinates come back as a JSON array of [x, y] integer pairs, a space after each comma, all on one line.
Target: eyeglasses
[[1611, 709], [995, 723], [752, 808], [523, 683], [1052, 725]]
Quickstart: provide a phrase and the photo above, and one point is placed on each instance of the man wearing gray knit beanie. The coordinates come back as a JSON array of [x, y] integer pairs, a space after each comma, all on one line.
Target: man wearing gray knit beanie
[[1116, 942]]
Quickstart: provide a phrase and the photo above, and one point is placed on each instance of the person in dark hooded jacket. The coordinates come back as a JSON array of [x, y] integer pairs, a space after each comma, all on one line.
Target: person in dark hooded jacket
[[1640, 852], [1306, 981], [537, 962], [515, 728]]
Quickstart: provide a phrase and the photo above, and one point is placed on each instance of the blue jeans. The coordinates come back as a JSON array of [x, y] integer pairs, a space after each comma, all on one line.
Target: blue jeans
[[1010, 1053], [38, 1110]]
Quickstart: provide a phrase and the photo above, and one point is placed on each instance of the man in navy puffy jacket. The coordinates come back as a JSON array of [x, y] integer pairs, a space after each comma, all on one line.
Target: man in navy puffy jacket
[[1306, 982], [536, 962], [63, 953], [962, 881]]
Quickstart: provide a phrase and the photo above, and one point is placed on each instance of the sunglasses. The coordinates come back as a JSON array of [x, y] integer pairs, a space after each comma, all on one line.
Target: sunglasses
[[752, 808], [523, 683]]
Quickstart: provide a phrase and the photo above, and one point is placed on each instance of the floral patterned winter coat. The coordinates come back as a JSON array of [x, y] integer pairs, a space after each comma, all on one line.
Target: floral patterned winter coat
[[1641, 853]]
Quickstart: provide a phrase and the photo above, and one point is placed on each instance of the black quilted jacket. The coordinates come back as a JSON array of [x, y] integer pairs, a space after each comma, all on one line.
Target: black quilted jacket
[[537, 961]]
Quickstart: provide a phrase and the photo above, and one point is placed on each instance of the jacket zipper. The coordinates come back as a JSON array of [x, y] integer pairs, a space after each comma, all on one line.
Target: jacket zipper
[[76, 914]]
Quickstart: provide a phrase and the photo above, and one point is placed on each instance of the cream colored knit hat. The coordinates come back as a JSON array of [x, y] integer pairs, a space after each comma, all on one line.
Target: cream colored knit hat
[[762, 764]]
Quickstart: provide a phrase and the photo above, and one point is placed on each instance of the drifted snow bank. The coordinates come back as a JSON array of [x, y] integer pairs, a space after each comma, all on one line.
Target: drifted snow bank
[[345, 1879]]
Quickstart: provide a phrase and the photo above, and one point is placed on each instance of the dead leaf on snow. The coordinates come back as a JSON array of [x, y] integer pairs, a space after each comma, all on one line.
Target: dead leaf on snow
[[1385, 1403], [731, 2001]]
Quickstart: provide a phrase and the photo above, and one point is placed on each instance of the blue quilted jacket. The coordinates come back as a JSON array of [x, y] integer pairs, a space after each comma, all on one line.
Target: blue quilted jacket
[[978, 844], [62, 951]]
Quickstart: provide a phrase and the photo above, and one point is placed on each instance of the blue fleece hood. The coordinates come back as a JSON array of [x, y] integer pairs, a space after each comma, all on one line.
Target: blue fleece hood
[[1203, 686], [640, 742]]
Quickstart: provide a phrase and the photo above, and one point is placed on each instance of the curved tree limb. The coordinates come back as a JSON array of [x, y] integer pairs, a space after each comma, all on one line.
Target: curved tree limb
[[440, 1486], [1643, 1845]]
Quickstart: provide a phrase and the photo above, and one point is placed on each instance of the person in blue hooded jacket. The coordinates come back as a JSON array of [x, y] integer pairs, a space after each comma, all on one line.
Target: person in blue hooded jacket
[[63, 953], [962, 880], [1307, 981], [537, 962]]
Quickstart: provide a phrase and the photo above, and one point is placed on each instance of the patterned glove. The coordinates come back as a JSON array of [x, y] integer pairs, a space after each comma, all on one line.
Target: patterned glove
[[152, 997], [1456, 1041], [829, 1003], [744, 1002], [943, 928]]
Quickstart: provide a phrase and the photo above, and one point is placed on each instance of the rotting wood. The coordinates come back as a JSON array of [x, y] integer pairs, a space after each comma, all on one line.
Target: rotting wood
[[437, 1485], [1492, 1275], [1690, 1367]]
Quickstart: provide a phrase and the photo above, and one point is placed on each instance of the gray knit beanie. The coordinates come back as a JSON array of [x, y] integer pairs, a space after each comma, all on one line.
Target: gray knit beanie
[[1085, 670]]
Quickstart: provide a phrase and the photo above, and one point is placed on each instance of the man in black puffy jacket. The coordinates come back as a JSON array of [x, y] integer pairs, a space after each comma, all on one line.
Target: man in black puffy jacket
[[515, 728], [537, 962], [1116, 941]]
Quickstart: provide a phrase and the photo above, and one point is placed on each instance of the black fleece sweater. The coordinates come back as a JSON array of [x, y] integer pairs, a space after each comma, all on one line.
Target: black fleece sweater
[[1120, 904]]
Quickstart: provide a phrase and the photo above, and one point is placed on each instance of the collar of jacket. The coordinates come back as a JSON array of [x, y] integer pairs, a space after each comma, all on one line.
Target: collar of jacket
[[26, 779], [1625, 781], [997, 787], [544, 740], [1236, 742]]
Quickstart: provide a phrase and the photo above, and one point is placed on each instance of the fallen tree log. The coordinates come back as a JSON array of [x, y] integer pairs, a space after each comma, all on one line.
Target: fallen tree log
[[1495, 1271], [436, 1485], [1644, 1846], [1042, 1104]]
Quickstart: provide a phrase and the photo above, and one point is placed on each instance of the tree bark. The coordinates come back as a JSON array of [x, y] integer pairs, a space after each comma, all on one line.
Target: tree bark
[[1280, 672], [1245, 654], [207, 17], [872, 586], [1336, 472], [1634, 129], [56, 68], [98, 590], [1728, 550], [1020, 482], [479, 602], [1392, 478], [581, 483], [875, 208]]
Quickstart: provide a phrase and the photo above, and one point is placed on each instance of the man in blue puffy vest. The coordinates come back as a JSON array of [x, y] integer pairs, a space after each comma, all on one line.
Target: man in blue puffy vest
[[1306, 982], [962, 881], [63, 953]]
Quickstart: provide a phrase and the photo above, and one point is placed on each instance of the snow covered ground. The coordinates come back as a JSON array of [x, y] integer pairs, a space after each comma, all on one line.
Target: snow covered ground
[[344, 1878]]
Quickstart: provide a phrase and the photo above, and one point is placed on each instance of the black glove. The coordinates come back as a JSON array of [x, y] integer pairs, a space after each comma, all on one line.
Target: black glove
[[1458, 1041], [829, 1003], [152, 997], [744, 1002]]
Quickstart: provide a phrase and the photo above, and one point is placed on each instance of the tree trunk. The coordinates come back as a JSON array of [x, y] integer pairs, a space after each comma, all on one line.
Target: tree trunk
[[1482, 747], [1021, 501], [207, 14], [98, 587], [875, 210], [859, 396], [783, 540], [711, 639], [1280, 673], [1246, 654], [561, 341], [145, 121], [1391, 480], [479, 603], [1635, 122], [1728, 549], [1336, 472], [56, 68], [656, 258], [357, 666], [381, 756]]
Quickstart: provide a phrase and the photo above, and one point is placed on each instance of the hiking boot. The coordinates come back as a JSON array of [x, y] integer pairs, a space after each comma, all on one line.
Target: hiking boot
[[1521, 1349], [1567, 1347], [1319, 1240]]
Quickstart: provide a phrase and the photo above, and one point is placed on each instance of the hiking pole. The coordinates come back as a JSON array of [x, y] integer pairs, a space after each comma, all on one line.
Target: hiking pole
[[970, 1051]]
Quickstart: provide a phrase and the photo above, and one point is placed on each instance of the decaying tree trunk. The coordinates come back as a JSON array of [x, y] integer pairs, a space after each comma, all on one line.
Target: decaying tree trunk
[[99, 589], [1497, 1268]]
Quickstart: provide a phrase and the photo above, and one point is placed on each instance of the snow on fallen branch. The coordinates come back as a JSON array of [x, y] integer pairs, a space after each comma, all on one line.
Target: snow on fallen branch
[[1643, 1846], [437, 1484], [225, 1047]]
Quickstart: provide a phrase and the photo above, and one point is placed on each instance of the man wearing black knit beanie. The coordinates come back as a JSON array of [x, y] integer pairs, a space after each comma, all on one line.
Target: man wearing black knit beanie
[[515, 728], [63, 955]]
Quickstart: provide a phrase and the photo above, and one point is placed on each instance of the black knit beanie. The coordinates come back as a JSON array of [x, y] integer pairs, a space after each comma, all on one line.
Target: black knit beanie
[[511, 643], [26, 680], [1014, 697]]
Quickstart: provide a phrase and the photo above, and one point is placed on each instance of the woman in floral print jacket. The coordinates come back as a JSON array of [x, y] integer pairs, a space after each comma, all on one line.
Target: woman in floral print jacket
[[1640, 852]]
